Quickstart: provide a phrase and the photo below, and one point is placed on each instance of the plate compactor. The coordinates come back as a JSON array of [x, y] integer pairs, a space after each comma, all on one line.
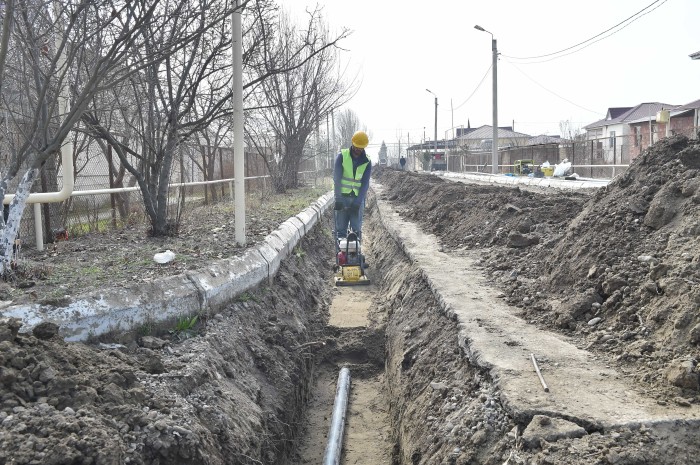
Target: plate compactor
[[349, 261]]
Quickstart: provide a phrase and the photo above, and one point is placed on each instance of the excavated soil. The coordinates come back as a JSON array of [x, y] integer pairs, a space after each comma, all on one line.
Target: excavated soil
[[230, 390], [618, 270], [444, 410]]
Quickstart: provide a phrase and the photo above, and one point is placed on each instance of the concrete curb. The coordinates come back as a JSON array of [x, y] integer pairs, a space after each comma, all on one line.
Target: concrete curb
[[205, 290]]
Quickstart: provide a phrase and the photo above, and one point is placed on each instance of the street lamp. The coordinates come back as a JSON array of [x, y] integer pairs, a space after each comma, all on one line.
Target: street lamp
[[494, 73], [436, 105]]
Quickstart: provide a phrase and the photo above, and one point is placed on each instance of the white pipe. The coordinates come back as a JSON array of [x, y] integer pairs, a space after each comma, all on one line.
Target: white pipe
[[37, 227], [238, 154], [116, 190], [68, 181]]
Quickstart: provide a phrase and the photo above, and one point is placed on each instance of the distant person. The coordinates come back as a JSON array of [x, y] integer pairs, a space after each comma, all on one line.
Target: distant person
[[350, 181], [402, 162]]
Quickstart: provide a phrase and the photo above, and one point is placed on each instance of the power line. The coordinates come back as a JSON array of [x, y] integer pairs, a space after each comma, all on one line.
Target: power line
[[474, 91], [628, 20], [551, 91]]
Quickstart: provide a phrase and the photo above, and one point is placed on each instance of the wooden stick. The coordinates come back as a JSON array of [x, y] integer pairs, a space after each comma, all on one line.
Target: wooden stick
[[309, 344], [537, 369]]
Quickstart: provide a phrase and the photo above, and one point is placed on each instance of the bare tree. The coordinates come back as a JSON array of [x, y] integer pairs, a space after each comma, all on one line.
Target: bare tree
[[570, 130], [383, 156], [175, 97], [207, 151], [293, 104], [41, 45], [347, 124], [182, 94]]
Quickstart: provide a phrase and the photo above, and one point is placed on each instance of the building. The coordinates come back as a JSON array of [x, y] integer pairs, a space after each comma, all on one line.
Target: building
[[480, 139], [645, 131], [614, 138]]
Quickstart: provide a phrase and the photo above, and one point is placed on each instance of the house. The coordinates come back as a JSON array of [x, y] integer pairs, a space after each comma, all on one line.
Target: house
[[613, 137], [480, 139], [597, 130], [543, 139], [683, 119]]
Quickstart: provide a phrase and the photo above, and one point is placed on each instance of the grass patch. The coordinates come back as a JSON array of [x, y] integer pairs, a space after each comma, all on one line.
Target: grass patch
[[185, 327], [299, 252], [247, 297]]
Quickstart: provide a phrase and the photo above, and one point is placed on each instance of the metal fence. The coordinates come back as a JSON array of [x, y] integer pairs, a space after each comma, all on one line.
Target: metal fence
[[596, 158]]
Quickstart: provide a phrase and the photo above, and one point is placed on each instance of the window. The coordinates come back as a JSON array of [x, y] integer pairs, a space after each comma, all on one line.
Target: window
[[637, 136], [611, 141]]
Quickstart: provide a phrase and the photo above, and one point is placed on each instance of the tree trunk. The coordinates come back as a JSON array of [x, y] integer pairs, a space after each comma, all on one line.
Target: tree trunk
[[159, 222], [11, 227], [52, 211], [205, 172], [289, 167]]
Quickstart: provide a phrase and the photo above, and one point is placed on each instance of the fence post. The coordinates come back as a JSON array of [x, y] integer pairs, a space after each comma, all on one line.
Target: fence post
[[614, 155], [112, 199], [221, 167], [37, 227]]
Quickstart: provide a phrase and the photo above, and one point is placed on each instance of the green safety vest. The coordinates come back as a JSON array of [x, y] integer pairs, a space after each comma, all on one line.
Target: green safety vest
[[350, 183]]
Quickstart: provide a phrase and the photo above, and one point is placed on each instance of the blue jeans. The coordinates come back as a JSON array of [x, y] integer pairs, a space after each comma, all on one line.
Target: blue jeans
[[346, 217]]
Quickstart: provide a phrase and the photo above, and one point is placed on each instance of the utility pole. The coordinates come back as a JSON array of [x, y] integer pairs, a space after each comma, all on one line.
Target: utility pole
[[436, 106], [494, 74], [333, 127], [452, 111], [328, 141], [238, 153], [494, 149]]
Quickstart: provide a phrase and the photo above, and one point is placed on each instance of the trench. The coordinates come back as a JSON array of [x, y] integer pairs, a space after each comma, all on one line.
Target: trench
[[353, 341], [414, 398]]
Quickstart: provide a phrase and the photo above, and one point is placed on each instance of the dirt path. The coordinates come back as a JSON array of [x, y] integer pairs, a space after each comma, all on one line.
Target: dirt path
[[367, 432], [350, 306]]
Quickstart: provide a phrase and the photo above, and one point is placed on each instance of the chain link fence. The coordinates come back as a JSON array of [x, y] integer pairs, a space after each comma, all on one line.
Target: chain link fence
[[96, 168]]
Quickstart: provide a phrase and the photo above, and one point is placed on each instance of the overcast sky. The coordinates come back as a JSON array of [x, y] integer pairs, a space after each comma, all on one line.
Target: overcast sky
[[400, 48]]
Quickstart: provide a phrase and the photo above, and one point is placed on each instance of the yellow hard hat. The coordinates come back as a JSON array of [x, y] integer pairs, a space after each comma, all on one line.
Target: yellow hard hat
[[360, 139]]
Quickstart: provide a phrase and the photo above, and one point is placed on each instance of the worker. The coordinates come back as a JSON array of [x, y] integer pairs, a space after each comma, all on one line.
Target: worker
[[351, 180], [402, 162]]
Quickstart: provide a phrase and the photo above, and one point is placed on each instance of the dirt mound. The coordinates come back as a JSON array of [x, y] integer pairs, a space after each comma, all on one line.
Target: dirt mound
[[446, 410], [470, 215], [636, 245], [618, 269]]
